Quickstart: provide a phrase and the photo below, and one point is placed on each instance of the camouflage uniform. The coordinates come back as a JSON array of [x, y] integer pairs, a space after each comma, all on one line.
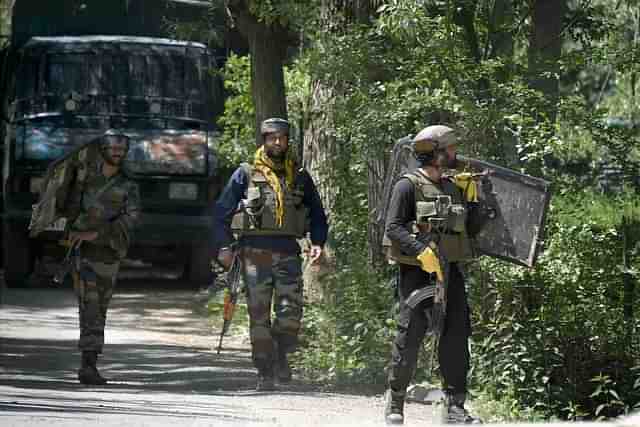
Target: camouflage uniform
[[272, 275], [110, 207], [270, 206]]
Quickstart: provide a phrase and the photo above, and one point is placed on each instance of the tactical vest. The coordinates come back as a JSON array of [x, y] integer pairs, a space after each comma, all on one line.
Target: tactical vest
[[257, 215], [448, 218]]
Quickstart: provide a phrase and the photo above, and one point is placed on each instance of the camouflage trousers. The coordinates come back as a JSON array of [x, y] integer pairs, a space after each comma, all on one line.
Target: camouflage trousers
[[93, 283], [270, 276]]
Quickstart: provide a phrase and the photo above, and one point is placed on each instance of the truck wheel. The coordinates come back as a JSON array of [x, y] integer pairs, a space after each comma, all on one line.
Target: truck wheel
[[198, 267], [18, 256]]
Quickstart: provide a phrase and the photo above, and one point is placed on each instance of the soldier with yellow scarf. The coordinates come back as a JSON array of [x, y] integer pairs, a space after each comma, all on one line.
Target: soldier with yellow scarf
[[268, 205]]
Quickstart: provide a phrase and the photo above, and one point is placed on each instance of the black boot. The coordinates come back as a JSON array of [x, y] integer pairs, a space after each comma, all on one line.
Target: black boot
[[393, 407], [265, 380], [265, 374], [88, 373], [455, 412], [281, 365]]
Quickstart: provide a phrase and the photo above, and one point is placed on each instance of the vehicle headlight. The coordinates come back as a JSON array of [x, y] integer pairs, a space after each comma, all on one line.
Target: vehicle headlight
[[70, 105], [35, 185], [155, 108], [183, 190]]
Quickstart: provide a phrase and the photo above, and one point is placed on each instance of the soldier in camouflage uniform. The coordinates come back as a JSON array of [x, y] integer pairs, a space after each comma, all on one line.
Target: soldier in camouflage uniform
[[269, 204], [102, 207]]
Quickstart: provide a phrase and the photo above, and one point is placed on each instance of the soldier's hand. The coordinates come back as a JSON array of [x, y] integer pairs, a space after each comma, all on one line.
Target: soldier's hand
[[82, 236], [315, 252], [430, 263], [225, 257]]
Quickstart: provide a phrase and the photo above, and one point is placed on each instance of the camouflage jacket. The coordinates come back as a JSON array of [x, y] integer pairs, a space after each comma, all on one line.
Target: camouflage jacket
[[109, 206]]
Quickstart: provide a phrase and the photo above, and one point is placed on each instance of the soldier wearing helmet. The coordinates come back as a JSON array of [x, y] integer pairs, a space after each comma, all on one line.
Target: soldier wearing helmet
[[426, 226], [102, 207], [115, 146], [268, 205]]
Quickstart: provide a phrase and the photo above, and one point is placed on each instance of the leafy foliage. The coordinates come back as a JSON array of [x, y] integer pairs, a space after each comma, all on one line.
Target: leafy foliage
[[237, 141], [547, 333], [556, 341]]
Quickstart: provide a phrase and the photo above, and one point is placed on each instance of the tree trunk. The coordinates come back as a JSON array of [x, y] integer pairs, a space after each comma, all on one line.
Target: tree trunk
[[464, 16], [375, 232], [628, 225], [267, 47], [545, 49], [502, 45], [320, 153], [320, 149]]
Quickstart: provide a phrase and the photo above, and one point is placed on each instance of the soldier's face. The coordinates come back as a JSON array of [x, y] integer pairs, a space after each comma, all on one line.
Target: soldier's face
[[116, 151], [276, 145]]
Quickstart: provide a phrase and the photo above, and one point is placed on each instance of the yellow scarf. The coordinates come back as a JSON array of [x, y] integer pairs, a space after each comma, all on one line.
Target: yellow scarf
[[263, 164]]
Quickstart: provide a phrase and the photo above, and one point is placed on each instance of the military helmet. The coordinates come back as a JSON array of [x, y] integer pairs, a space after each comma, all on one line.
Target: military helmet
[[273, 125], [432, 138], [113, 136]]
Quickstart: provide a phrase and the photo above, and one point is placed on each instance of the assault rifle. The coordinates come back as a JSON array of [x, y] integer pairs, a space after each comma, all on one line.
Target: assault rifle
[[435, 214], [69, 263], [232, 287]]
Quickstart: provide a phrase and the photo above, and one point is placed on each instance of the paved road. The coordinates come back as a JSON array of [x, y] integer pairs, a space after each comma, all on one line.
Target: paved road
[[162, 368]]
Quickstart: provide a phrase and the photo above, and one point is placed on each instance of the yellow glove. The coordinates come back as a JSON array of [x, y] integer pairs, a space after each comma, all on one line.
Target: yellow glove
[[430, 263], [66, 243], [468, 185]]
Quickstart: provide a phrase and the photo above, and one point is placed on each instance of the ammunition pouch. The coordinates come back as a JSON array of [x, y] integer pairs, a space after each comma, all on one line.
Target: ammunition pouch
[[441, 214], [455, 247], [257, 215]]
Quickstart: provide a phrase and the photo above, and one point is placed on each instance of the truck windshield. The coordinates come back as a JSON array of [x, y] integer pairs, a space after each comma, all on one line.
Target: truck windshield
[[143, 74], [154, 150]]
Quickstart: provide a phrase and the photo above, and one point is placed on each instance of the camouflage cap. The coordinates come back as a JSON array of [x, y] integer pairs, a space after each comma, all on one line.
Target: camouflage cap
[[273, 125], [433, 138]]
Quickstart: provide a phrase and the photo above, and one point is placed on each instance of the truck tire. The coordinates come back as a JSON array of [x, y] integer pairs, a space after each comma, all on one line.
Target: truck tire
[[198, 267], [18, 257]]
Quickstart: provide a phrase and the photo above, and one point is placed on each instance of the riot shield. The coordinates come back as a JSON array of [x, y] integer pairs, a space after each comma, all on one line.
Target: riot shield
[[518, 204]]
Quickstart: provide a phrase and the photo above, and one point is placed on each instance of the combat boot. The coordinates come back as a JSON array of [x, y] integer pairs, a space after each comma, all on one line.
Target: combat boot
[[265, 380], [88, 374], [455, 412], [282, 366], [393, 407]]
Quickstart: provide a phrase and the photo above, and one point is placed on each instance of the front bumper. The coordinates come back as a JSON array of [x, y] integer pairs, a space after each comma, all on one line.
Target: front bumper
[[163, 229], [152, 229]]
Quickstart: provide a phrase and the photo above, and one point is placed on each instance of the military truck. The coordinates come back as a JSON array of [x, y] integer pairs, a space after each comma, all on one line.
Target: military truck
[[79, 68]]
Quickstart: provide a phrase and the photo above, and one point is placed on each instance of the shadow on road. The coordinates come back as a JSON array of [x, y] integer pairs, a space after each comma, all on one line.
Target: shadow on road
[[144, 351], [47, 364]]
